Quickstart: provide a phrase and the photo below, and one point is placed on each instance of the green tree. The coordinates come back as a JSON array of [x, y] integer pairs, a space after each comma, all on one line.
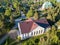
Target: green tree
[[51, 13], [15, 4], [8, 12], [1, 24], [6, 43], [36, 16], [11, 19], [2, 17], [30, 13]]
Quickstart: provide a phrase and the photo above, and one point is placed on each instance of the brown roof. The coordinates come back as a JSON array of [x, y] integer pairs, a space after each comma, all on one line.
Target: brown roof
[[29, 25]]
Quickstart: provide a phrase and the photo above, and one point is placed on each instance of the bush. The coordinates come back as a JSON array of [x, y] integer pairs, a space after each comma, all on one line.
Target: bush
[[19, 38]]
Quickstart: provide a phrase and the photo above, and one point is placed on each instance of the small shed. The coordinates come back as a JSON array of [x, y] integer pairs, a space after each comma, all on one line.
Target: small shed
[[46, 5]]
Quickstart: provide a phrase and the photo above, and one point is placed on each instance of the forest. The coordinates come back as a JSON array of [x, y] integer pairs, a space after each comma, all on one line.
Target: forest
[[11, 10]]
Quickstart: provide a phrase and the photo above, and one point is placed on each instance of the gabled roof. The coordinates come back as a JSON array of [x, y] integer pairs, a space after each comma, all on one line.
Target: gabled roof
[[43, 23], [27, 26], [30, 25]]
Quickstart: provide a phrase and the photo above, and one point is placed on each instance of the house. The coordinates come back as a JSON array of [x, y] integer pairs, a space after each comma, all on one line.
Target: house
[[29, 28], [46, 5]]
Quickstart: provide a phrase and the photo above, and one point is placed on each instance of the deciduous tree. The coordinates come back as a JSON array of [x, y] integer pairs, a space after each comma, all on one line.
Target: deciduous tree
[[36, 16]]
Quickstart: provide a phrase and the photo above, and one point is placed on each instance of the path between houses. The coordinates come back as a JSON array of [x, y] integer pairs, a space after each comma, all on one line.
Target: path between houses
[[6, 36], [3, 39]]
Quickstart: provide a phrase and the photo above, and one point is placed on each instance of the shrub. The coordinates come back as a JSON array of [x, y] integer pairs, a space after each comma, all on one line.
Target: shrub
[[19, 38]]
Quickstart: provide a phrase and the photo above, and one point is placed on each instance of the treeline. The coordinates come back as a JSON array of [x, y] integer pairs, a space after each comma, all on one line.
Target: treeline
[[9, 10]]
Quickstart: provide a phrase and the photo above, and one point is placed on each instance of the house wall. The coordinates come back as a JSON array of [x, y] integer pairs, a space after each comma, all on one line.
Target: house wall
[[39, 30], [36, 31], [19, 32]]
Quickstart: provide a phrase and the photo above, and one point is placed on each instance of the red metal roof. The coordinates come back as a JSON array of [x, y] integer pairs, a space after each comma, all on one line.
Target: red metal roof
[[30, 24], [27, 26]]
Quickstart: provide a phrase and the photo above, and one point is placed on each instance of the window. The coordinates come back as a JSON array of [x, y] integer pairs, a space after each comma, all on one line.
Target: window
[[36, 32], [23, 36], [39, 31], [28, 34], [32, 33]]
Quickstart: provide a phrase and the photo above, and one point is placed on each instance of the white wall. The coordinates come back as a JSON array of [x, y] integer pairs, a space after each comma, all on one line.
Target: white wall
[[38, 29], [27, 35], [19, 28]]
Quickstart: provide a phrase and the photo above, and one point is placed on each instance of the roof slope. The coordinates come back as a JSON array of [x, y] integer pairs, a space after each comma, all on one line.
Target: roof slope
[[27, 26], [30, 25], [43, 23]]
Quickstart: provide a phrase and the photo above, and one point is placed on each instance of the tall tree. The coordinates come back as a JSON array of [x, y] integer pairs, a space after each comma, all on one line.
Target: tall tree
[[8, 11], [16, 5], [30, 13], [11, 19], [1, 24], [36, 16]]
